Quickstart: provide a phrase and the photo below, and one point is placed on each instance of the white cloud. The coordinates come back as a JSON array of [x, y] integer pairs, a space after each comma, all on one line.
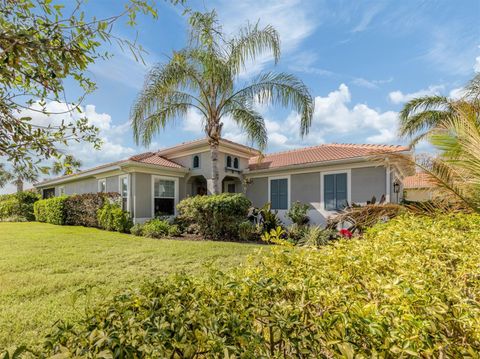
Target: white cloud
[[334, 120], [398, 97], [113, 136], [476, 67], [291, 18], [367, 18], [370, 84]]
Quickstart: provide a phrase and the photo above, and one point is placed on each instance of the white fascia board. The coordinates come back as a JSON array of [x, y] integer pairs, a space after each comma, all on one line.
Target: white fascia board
[[77, 176]]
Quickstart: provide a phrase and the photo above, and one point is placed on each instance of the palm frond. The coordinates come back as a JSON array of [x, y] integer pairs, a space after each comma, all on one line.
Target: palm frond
[[423, 113], [252, 123], [250, 43], [283, 89], [162, 97]]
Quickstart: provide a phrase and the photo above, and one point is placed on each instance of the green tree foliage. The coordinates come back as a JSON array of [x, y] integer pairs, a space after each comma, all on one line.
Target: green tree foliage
[[452, 126], [41, 45], [408, 289], [204, 77]]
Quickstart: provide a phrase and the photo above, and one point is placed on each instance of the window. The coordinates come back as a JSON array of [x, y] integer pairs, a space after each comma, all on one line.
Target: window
[[230, 187], [235, 163], [124, 192], [229, 162], [102, 185], [164, 197], [48, 193], [335, 191], [196, 161], [279, 193], [61, 190]]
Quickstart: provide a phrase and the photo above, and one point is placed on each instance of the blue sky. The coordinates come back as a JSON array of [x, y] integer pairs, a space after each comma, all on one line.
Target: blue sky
[[361, 59]]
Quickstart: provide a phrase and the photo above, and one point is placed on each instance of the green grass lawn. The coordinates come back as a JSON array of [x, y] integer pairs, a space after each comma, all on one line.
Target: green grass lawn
[[42, 266]]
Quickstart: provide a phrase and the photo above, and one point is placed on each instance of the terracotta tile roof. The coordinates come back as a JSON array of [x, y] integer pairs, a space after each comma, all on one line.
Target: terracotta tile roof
[[153, 158], [322, 153], [418, 180]]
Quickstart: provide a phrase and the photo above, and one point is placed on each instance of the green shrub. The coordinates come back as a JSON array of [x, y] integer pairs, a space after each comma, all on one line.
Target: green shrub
[[174, 231], [51, 210], [410, 288], [277, 236], [81, 209], [296, 232], [316, 236], [247, 231], [137, 229], [39, 211], [112, 218], [268, 219], [18, 206], [217, 216], [298, 213], [156, 228]]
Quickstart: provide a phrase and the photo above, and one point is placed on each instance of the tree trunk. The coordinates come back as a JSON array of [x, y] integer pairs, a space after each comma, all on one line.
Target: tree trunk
[[19, 184], [215, 172]]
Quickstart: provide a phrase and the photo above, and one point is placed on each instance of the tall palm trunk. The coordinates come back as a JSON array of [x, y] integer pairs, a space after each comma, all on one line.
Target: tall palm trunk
[[214, 130], [215, 172], [19, 184]]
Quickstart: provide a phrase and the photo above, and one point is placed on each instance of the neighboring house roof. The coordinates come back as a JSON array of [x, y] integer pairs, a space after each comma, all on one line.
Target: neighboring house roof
[[147, 158], [417, 181], [318, 154]]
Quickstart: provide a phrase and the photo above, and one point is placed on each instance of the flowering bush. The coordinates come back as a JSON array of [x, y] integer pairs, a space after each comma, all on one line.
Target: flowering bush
[[345, 233]]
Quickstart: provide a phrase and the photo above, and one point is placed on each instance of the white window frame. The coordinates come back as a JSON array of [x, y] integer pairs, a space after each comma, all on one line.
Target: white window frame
[[176, 199], [289, 186], [98, 185], [61, 190], [121, 191], [349, 187]]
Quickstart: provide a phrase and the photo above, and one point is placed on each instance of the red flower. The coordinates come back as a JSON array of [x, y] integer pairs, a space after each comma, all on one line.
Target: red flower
[[345, 233]]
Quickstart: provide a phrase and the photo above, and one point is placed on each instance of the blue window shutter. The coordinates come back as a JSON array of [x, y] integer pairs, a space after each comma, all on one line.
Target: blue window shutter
[[279, 193], [341, 190], [274, 191], [283, 193], [329, 192]]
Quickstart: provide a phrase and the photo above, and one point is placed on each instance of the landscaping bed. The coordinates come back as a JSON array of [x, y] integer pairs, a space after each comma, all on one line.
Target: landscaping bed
[[408, 288]]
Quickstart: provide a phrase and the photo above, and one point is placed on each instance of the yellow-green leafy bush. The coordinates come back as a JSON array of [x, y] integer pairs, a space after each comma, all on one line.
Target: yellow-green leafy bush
[[18, 206], [410, 288], [50, 210]]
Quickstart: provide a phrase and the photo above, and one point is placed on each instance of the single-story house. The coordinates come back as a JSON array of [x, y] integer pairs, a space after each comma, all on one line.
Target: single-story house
[[327, 177], [418, 188]]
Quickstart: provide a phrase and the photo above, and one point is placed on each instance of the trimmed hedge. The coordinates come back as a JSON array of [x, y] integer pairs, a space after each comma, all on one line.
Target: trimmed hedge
[[81, 209], [217, 216], [410, 288], [112, 218], [18, 206], [51, 210]]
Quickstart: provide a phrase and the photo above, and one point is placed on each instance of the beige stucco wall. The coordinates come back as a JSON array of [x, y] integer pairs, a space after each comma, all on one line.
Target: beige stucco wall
[[418, 194]]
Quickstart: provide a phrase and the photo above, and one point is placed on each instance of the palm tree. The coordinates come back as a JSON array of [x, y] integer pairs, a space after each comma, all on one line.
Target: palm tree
[[452, 126], [204, 76], [424, 116]]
